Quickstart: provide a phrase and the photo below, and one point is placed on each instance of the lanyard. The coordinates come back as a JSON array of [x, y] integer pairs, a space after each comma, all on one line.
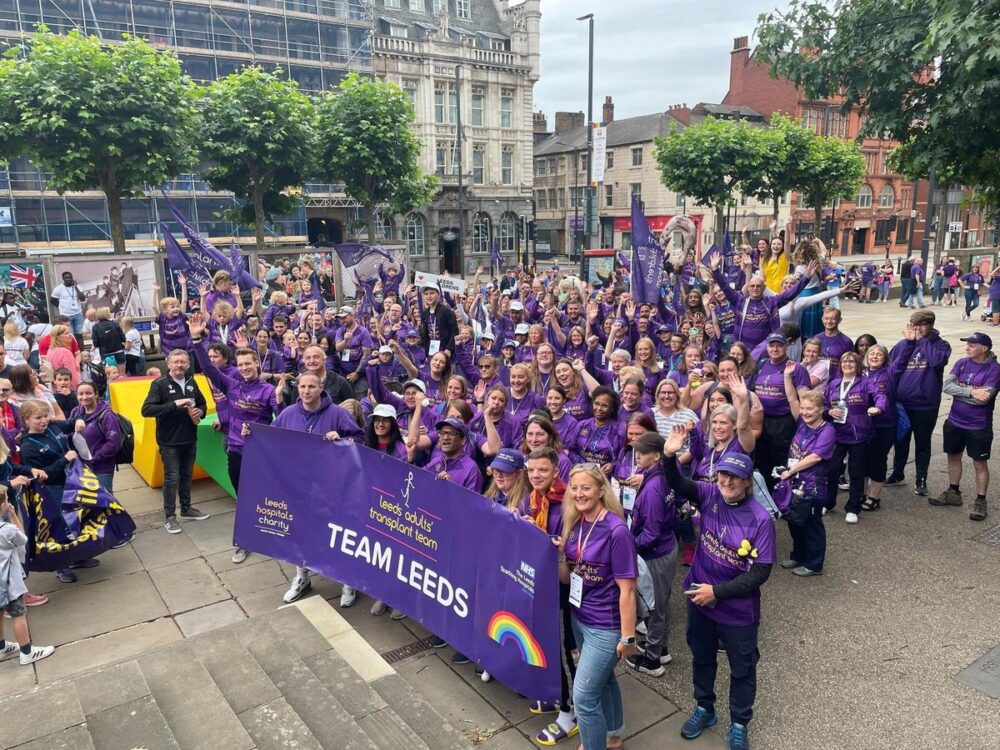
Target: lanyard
[[516, 403], [598, 434], [583, 541], [844, 391]]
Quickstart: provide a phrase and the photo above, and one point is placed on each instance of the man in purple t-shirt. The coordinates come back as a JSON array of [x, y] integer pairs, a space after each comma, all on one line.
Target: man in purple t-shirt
[[833, 343], [973, 383], [917, 276]]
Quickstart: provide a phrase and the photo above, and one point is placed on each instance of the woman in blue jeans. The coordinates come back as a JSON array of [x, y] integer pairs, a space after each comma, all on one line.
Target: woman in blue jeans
[[102, 431], [598, 561]]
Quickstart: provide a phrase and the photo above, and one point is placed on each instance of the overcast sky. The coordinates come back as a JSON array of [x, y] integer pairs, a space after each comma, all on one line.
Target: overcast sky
[[648, 54]]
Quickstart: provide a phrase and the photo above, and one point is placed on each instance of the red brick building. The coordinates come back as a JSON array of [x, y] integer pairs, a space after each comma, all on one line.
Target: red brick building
[[882, 216]]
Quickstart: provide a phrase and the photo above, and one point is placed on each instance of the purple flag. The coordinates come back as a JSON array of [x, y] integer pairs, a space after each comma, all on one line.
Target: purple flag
[[179, 262], [464, 567], [624, 261], [351, 253], [707, 258], [495, 260], [205, 255], [647, 259]]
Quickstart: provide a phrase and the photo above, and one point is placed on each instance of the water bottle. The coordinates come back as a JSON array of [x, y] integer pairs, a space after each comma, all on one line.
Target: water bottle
[[842, 405]]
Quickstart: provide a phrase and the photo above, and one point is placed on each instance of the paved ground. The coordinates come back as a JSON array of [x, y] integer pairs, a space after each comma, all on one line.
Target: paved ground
[[863, 657]]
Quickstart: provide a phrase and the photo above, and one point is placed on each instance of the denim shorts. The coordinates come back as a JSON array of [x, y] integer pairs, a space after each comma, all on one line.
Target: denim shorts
[[15, 607]]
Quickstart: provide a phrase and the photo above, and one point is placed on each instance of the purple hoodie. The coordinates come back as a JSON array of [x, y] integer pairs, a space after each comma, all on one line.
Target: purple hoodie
[[757, 319], [921, 363], [103, 436], [173, 333], [862, 395], [250, 401], [965, 375], [653, 516], [327, 418]]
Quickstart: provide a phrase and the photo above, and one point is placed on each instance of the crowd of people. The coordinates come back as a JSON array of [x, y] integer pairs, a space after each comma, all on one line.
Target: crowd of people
[[641, 436]]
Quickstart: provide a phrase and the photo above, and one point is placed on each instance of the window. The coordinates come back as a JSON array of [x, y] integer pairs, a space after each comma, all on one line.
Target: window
[[903, 231], [883, 228], [838, 124], [637, 157], [871, 162], [609, 195], [552, 197], [907, 198], [478, 102], [506, 108], [865, 196], [384, 228], [680, 200], [410, 89], [438, 102], [417, 6], [562, 164], [456, 158], [561, 197], [392, 4], [415, 234], [540, 200], [439, 6], [885, 162], [439, 159], [552, 166], [500, 45], [886, 197], [481, 234], [635, 191], [584, 158], [609, 159], [478, 163], [507, 164], [398, 31], [452, 104], [541, 167], [811, 119], [507, 234], [463, 8]]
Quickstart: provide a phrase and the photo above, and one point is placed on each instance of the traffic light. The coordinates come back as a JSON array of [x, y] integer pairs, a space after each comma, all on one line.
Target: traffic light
[[531, 229]]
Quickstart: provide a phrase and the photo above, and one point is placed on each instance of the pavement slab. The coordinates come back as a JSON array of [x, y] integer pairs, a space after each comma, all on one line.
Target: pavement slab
[[114, 563], [247, 578], [157, 548], [209, 617], [106, 688], [71, 738], [188, 585], [265, 600], [38, 713], [138, 723], [14, 678], [275, 726], [213, 534]]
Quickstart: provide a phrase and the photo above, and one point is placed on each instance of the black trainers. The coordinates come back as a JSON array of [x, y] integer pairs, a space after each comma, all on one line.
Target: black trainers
[[920, 487], [894, 480], [644, 664], [193, 514]]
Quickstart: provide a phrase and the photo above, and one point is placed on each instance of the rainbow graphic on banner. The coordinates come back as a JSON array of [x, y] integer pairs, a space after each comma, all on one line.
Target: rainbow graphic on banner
[[506, 626]]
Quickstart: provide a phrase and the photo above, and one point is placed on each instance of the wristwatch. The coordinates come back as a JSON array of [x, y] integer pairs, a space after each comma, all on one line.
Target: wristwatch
[[628, 640]]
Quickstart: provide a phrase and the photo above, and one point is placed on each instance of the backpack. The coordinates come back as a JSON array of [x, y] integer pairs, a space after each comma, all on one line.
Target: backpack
[[126, 451]]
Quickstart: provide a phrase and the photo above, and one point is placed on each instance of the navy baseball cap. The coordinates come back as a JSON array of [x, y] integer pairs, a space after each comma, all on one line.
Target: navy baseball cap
[[456, 424], [979, 338], [777, 338], [508, 460], [736, 464]]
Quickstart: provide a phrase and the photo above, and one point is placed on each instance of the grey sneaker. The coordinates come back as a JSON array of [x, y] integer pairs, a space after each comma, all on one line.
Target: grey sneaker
[[193, 514], [978, 512], [172, 526], [239, 555], [948, 497]]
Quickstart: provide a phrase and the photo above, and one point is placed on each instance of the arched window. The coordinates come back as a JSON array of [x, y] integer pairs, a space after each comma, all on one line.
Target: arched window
[[886, 197], [384, 228], [865, 196], [415, 234], [507, 233], [481, 234]]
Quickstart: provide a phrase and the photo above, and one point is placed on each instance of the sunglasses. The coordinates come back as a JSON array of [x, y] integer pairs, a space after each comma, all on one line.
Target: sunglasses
[[486, 367]]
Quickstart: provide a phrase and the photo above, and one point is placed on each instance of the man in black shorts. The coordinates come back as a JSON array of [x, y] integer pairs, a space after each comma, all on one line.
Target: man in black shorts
[[973, 382]]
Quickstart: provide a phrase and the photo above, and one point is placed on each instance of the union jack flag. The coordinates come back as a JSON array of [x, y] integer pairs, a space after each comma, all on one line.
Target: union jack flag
[[23, 277]]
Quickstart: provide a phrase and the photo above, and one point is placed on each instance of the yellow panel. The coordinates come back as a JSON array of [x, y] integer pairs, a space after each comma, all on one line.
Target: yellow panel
[[127, 396]]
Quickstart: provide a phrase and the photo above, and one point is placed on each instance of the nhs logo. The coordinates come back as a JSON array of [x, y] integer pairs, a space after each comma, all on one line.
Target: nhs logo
[[528, 570]]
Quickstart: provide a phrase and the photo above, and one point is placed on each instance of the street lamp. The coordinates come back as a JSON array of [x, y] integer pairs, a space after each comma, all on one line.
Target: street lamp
[[590, 133]]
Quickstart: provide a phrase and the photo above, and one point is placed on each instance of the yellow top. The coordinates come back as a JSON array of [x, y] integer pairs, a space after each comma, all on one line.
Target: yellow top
[[774, 271]]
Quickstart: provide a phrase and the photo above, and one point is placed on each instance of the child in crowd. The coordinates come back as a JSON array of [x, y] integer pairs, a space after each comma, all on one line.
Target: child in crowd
[[62, 389], [172, 322], [133, 347], [15, 344]]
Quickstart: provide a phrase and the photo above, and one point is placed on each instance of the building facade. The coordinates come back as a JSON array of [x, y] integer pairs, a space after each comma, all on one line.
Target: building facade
[[314, 42], [469, 68], [630, 169]]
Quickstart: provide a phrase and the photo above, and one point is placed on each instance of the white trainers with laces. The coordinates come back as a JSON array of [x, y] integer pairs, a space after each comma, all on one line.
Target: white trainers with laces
[[347, 597], [37, 653], [9, 650], [300, 585], [851, 518]]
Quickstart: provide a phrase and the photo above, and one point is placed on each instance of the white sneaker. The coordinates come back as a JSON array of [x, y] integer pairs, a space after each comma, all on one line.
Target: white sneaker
[[239, 555], [37, 654], [640, 628], [851, 518], [379, 608], [10, 650], [300, 585], [347, 597]]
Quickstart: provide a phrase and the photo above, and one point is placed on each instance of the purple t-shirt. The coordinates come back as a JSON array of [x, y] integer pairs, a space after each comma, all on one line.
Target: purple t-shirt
[[600, 445], [173, 333], [975, 375], [733, 537], [357, 341], [819, 440], [705, 458], [833, 347], [608, 553], [769, 385]]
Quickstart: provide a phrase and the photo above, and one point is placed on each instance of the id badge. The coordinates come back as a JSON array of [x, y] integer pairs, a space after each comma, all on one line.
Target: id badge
[[433, 347], [628, 498], [975, 287], [575, 589], [345, 356], [792, 463]]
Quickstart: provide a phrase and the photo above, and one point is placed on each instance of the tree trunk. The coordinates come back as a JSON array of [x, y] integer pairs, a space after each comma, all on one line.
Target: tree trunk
[[776, 211], [719, 222], [817, 219], [115, 217], [258, 217], [370, 217], [942, 222]]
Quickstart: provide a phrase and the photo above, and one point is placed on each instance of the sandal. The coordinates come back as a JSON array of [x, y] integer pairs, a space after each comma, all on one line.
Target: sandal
[[554, 733], [544, 707], [619, 746], [871, 504]]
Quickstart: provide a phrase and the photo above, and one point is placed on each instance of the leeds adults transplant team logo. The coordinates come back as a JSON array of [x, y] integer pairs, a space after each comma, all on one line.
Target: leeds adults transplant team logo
[[506, 626]]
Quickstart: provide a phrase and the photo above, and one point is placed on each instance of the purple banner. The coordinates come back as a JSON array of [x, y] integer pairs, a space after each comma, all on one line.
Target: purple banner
[[351, 253], [646, 268], [464, 567]]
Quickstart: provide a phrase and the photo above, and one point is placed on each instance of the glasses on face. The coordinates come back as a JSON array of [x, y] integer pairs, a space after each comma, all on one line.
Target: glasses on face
[[485, 366], [4, 390]]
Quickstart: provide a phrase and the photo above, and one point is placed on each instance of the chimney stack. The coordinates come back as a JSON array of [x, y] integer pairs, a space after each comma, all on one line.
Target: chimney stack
[[740, 43], [608, 113], [568, 120], [539, 123]]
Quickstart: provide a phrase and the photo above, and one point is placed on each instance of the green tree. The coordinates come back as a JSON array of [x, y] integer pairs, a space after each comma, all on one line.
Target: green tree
[[711, 162], [114, 118], [784, 147], [367, 143], [832, 168], [923, 72], [258, 133]]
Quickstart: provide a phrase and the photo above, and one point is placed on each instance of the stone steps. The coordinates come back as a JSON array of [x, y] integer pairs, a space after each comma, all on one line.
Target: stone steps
[[298, 677]]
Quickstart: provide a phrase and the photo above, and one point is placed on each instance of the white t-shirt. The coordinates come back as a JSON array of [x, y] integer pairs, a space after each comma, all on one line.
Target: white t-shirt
[[69, 300], [38, 330], [13, 313], [133, 343], [17, 350]]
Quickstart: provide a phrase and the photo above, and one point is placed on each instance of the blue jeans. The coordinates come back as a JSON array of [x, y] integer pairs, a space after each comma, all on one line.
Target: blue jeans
[[596, 695], [907, 291], [76, 323], [971, 301], [936, 288], [918, 292], [106, 481]]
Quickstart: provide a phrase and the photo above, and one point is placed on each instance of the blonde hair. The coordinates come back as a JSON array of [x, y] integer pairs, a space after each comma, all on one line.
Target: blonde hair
[[166, 302], [103, 313], [221, 276], [10, 330], [653, 365], [279, 298], [520, 490], [631, 371], [224, 307], [353, 408], [571, 514], [815, 397], [31, 407], [127, 322], [56, 334]]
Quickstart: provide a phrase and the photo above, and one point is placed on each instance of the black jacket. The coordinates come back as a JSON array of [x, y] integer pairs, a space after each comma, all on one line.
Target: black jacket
[[337, 387], [173, 425], [447, 327], [108, 337]]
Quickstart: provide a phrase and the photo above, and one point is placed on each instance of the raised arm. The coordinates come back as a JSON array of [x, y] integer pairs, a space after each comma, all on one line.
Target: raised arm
[[791, 393]]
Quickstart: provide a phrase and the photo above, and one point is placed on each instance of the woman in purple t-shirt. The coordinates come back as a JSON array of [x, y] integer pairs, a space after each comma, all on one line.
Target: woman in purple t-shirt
[[598, 561]]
